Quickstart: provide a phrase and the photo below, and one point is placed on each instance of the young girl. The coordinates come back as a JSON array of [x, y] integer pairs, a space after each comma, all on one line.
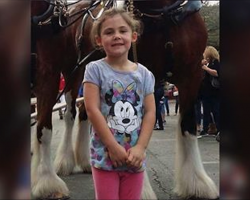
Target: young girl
[[120, 105]]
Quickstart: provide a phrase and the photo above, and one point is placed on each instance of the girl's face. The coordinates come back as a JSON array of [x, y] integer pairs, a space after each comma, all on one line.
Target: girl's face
[[116, 36]]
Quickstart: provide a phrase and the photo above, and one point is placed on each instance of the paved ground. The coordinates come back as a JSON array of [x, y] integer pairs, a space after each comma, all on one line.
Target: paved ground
[[161, 154]]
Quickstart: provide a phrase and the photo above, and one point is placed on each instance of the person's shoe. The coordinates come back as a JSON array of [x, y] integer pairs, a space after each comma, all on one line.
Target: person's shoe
[[157, 129], [212, 130], [203, 133], [156, 126]]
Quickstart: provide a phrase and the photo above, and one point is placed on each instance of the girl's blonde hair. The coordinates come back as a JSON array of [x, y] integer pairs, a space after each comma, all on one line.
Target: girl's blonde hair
[[211, 53], [134, 24]]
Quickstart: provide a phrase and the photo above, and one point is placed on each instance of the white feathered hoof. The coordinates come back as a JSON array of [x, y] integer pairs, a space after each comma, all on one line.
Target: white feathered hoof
[[55, 196], [86, 169], [190, 176], [196, 185], [49, 186], [83, 163], [64, 165]]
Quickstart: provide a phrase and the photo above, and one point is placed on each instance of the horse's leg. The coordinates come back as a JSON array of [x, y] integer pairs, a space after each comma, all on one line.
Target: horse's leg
[[147, 190], [65, 158], [45, 182], [82, 140], [191, 178], [64, 162]]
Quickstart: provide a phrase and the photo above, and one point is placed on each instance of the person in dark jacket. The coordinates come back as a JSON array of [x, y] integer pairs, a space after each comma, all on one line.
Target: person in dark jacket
[[210, 94], [159, 93]]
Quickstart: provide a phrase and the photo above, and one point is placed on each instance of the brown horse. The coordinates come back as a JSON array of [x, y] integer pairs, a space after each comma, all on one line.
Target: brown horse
[[171, 47], [56, 50], [14, 137], [179, 36]]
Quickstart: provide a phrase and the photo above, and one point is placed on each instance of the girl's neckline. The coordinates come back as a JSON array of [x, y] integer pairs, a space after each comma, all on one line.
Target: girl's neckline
[[121, 71]]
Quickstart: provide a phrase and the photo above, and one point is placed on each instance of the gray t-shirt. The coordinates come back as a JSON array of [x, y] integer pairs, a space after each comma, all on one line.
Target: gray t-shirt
[[121, 98]]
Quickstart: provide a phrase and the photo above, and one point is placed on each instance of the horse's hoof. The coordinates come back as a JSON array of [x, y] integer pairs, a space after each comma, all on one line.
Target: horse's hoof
[[56, 196], [87, 170]]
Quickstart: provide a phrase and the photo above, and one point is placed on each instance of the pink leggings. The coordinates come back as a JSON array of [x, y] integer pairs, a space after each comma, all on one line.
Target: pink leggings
[[117, 185]]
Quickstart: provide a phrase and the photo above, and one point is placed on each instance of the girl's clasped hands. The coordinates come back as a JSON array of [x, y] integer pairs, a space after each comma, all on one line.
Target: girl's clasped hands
[[133, 157]]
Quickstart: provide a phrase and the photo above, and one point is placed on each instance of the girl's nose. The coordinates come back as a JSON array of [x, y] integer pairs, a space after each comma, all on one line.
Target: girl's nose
[[117, 36]]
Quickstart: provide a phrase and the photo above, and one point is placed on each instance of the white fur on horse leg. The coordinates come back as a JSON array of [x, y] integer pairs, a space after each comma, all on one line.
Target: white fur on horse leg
[[147, 190], [190, 175], [43, 177], [65, 162], [82, 146], [35, 160]]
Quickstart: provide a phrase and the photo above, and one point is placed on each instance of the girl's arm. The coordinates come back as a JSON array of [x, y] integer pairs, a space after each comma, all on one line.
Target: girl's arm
[[136, 154], [117, 153]]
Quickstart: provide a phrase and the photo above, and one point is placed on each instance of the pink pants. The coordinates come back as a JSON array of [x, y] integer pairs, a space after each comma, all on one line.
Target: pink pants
[[117, 185]]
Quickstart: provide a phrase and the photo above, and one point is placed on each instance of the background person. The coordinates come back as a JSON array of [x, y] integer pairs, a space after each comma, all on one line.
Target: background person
[[62, 98], [158, 94], [210, 94], [166, 96], [176, 95]]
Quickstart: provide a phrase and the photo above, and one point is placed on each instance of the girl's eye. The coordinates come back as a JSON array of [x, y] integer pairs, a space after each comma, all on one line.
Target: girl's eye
[[108, 33], [123, 31]]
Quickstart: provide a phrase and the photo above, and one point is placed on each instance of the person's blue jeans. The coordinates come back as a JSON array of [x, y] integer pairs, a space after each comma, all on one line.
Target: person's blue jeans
[[158, 116], [166, 104]]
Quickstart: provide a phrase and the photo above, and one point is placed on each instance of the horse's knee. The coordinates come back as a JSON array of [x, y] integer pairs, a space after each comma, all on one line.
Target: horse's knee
[[44, 134], [39, 133]]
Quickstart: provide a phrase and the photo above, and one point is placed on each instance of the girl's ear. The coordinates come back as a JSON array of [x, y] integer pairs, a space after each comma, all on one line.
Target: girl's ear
[[134, 37], [98, 41]]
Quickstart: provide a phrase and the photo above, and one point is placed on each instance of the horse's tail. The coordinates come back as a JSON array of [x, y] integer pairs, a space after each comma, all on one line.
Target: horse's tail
[[190, 176], [147, 190]]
